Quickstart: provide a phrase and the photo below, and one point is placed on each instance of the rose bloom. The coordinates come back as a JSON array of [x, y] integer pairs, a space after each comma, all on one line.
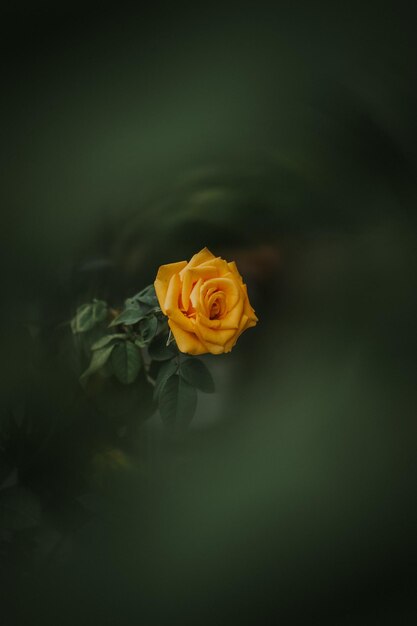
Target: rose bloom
[[206, 302]]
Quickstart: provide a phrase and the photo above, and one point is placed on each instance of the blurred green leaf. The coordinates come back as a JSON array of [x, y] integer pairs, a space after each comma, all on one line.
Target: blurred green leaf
[[131, 315], [83, 319], [148, 328], [146, 296], [166, 370], [126, 362], [197, 374], [88, 315], [19, 509], [177, 402], [101, 343], [98, 360]]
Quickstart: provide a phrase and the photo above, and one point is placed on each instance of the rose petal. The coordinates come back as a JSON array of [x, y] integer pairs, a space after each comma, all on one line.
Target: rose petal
[[172, 307], [187, 342], [190, 276], [230, 322], [200, 257], [195, 293], [242, 328], [233, 268], [248, 308], [213, 336], [163, 277], [233, 317], [226, 284]]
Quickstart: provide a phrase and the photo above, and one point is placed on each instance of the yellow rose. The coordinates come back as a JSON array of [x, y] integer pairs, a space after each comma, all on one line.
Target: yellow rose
[[206, 303]]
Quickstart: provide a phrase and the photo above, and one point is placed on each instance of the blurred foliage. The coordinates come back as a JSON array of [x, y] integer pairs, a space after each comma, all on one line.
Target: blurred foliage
[[286, 140], [46, 484]]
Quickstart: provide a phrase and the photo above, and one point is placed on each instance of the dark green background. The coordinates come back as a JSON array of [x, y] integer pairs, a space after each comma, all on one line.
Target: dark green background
[[285, 140]]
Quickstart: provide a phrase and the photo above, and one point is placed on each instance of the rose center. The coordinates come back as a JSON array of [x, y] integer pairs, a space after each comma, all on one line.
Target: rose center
[[215, 310], [216, 305]]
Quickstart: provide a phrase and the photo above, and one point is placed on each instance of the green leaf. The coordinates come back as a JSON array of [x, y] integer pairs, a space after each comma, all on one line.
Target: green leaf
[[148, 328], [83, 319], [19, 509], [166, 370], [146, 298], [100, 310], [126, 362], [177, 402], [88, 315], [101, 343], [159, 351], [196, 373], [131, 315], [98, 360]]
